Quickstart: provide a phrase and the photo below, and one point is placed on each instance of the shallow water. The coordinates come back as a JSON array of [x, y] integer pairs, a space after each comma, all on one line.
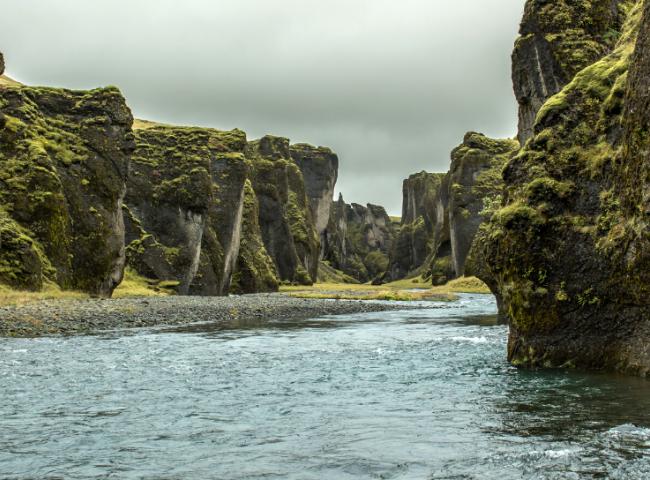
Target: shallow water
[[407, 395]]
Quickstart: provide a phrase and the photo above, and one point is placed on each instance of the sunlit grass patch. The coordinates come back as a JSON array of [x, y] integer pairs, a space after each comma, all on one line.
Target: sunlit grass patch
[[414, 289], [11, 297], [135, 285]]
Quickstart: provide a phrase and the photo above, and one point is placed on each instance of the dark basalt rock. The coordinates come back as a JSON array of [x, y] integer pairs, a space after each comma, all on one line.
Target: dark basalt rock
[[358, 240], [185, 206], [319, 167], [412, 246], [569, 250], [474, 182], [285, 217], [557, 40], [64, 159]]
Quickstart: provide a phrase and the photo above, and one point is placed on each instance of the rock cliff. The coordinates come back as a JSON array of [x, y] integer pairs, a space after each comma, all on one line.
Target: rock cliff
[[442, 213], [358, 240], [319, 167], [285, 217], [184, 206], [569, 248], [475, 182], [215, 213], [558, 39], [64, 159], [413, 243]]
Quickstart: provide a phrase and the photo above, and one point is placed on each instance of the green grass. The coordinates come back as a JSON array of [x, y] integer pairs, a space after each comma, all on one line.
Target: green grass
[[416, 289], [135, 285], [12, 297]]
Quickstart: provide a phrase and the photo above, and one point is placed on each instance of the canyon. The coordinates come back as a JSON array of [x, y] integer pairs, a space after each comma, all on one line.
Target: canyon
[[554, 221]]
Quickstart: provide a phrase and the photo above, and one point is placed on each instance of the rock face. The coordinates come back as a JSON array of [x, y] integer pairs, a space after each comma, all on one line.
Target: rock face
[[358, 240], [255, 271], [319, 167], [184, 206], [569, 250], [474, 183], [2, 64], [285, 217], [214, 213], [413, 245], [64, 159], [442, 213], [558, 39]]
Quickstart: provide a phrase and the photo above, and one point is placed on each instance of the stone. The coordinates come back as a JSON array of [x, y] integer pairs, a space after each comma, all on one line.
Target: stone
[[64, 159]]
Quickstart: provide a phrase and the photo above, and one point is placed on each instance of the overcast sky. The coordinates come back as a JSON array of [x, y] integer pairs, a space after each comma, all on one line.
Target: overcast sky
[[390, 85]]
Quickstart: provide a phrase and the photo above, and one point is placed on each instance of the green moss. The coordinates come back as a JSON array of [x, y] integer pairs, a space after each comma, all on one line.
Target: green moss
[[255, 271], [56, 141]]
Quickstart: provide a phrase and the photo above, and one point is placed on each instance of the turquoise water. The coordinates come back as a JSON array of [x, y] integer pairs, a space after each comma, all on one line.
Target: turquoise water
[[421, 394]]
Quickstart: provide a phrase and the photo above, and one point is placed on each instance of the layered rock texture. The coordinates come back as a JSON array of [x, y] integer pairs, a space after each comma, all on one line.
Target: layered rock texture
[[558, 39], [441, 213], [285, 215], [215, 213], [413, 244], [185, 206], [568, 251], [319, 167], [64, 159], [358, 239]]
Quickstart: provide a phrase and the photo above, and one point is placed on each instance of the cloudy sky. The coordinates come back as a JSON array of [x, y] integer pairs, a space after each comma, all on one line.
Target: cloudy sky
[[390, 85]]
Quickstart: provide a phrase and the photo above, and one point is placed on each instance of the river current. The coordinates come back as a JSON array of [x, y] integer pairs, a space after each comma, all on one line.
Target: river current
[[424, 394]]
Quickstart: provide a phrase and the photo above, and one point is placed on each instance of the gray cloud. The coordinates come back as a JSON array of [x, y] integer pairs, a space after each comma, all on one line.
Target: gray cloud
[[391, 86]]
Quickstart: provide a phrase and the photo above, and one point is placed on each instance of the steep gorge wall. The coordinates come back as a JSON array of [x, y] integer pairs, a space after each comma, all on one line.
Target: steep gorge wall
[[442, 213], [285, 217], [557, 40], [215, 213], [413, 243], [319, 167], [184, 206], [64, 159], [358, 239], [569, 248]]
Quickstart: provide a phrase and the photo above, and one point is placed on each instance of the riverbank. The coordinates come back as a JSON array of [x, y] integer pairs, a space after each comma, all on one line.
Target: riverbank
[[82, 316]]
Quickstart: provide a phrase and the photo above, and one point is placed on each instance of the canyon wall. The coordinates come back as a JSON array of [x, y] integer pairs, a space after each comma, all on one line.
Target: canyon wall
[[358, 239], [184, 206], [216, 213], [64, 159], [202, 211], [568, 249], [557, 40], [413, 243]]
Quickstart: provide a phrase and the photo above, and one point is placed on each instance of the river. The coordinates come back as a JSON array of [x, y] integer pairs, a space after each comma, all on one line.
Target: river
[[423, 394]]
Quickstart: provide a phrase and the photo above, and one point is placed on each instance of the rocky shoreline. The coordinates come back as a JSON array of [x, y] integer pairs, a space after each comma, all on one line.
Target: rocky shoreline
[[75, 317]]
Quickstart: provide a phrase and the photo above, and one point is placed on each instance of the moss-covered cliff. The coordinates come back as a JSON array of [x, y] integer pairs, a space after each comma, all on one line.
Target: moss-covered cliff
[[414, 240], [285, 216], [569, 248], [558, 39], [184, 206], [358, 240], [475, 185], [319, 167], [64, 159], [255, 271]]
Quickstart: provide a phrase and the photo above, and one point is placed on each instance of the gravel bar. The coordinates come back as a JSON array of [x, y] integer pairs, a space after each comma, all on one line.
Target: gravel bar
[[73, 317]]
